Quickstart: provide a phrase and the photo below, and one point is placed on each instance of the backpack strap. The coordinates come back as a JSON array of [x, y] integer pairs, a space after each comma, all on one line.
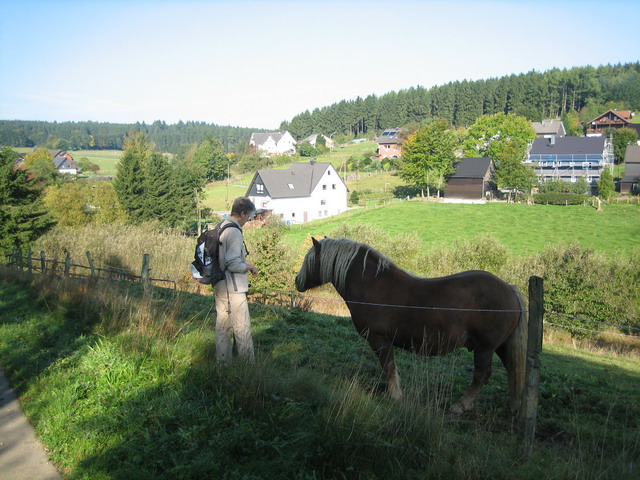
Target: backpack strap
[[231, 224]]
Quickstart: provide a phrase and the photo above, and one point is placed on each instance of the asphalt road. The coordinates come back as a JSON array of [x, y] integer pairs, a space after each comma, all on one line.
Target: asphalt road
[[22, 456]]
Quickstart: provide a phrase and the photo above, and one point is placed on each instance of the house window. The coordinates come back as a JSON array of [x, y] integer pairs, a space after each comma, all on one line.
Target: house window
[[259, 188], [328, 172], [326, 213], [333, 186], [324, 187], [323, 202], [293, 215]]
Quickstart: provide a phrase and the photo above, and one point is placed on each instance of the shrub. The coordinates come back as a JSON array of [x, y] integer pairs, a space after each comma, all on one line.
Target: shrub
[[271, 256], [560, 198], [581, 283]]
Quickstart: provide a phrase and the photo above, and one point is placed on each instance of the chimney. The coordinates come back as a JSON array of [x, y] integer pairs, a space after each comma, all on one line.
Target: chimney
[[552, 140]]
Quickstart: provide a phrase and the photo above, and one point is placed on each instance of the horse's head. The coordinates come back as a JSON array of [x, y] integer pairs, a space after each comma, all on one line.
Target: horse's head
[[309, 274]]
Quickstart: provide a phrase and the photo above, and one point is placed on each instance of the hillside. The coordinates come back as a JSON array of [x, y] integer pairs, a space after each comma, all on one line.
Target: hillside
[[535, 95], [122, 384]]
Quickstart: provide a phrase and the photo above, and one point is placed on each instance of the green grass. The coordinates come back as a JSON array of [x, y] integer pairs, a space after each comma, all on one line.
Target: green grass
[[523, 229], [107, 160], [119, 384]]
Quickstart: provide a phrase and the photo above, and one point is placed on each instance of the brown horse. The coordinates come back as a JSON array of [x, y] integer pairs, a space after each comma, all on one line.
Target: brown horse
[[431, 316]]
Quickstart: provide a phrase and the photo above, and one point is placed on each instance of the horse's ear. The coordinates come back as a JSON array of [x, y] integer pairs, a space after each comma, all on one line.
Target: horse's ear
[[316, 244]]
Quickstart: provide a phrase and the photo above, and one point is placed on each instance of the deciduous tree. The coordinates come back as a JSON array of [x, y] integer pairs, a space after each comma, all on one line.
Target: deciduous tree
[[498, 136], [210, 156], [622, 138], [606, 185], [40, 162], [428, 155]]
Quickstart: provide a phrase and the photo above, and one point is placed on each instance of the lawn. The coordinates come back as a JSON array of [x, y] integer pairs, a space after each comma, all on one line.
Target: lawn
[[523, 229]]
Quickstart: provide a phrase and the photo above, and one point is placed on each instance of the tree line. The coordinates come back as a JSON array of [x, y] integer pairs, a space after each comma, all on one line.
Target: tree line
[[581, 93], [112, 136]]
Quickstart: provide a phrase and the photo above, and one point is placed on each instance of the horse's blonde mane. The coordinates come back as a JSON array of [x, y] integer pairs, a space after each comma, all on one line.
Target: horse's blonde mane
[[337, 255]]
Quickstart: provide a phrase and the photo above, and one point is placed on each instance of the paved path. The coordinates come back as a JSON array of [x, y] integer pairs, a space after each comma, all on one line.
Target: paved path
[[22, 456]]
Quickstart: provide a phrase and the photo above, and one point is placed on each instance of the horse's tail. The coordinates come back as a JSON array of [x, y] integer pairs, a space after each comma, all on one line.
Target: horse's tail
[[516, 355]]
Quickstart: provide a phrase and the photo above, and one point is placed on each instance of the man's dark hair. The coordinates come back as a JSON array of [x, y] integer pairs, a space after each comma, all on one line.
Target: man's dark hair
[[242, 205]]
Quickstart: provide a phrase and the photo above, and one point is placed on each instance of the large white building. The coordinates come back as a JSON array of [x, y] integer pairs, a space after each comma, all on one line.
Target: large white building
[[302, 193], [571, 158], [275, 143]]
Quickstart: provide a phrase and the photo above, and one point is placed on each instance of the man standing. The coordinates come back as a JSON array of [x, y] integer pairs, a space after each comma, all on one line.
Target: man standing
[[232, 310]]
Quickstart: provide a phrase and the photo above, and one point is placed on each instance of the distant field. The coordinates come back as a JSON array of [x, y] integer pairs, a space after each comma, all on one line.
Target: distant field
[[523, 229], [215, 196], [106, 159]]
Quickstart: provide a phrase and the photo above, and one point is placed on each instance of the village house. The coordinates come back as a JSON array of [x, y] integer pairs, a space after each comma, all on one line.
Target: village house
[[472, 182], [390, 144], [275, 143], [313, 139], [629, 183], [301, 193], [571, 158], [612, 119], [549, 128], [64, 162]]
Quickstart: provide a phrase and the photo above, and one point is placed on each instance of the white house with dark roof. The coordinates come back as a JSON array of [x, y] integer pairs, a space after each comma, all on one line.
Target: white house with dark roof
[[571, 158], [64, 162], [301, 193], [274, 143]]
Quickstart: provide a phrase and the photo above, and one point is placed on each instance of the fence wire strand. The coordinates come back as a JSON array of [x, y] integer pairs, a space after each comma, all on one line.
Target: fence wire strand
[[622, 327]]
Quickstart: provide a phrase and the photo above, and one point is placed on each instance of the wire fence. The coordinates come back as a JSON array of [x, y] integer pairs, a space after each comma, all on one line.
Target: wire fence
[[294, 299], [54, 266], [289, 299]]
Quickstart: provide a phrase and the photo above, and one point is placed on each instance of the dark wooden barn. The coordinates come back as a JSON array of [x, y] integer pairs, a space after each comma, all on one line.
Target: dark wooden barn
[[472, 180]]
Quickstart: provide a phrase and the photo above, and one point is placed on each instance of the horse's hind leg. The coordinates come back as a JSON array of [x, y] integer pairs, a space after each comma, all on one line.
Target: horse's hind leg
[[481, 374], [384, 350]]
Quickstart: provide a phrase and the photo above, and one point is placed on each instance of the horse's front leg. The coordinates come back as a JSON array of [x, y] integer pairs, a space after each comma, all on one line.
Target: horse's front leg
[[481, 374], [384, 349]]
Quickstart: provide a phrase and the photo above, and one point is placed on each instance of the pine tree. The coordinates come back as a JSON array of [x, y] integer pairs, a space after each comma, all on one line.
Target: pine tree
[[23, 218], [129, 181], [158, 192]]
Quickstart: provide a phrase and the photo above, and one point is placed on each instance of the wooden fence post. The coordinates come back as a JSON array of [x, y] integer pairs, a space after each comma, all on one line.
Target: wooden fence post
[[19, 258], [529, 408], [145, 269], [43, 262], [29, 258], [67, 264], [91, 265], [54, 269]]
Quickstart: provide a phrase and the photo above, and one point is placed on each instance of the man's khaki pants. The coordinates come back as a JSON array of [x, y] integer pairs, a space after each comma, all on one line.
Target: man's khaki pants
[[232, 318]]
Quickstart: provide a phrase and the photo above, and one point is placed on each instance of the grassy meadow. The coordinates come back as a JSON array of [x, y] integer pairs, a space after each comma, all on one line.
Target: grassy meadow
[[121, 383], [107, 160], [523, 229]]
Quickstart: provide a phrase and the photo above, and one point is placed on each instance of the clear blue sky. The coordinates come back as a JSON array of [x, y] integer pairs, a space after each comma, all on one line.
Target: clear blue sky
[[256, 63]]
